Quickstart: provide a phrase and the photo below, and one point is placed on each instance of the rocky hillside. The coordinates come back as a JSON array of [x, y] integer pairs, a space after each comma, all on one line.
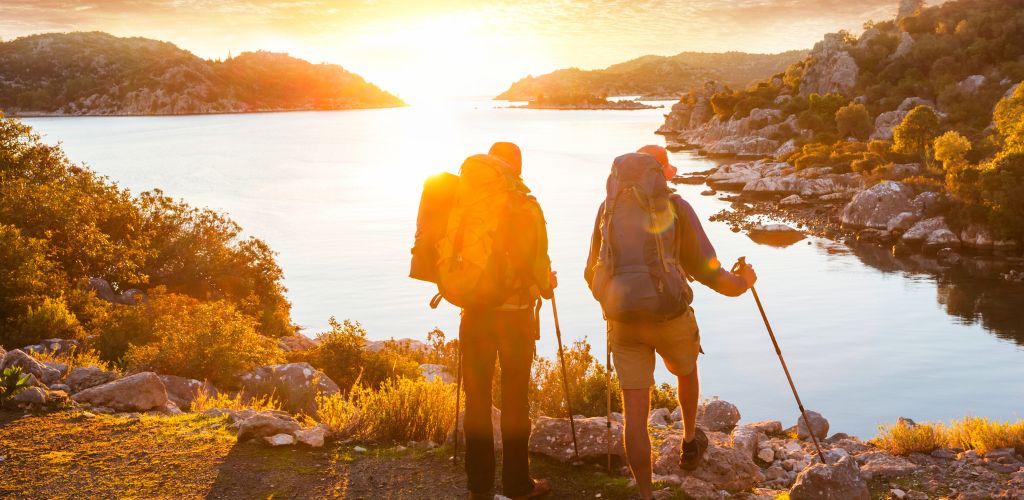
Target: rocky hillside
[[653, 76], [100, 74], [930, 102]]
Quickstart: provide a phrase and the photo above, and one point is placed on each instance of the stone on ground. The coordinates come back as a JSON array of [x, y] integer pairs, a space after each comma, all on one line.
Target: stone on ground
[[265, 424], [140, 392], [314, 436], [838, 481], [30, 395], [718, 415], [818, 424], [876, 206], [722, 467], [745, 439], [877, 464], [659, 417], [84, 377], [28, 364], [296, 385], [183, 391], [552, 437], [280, 440]]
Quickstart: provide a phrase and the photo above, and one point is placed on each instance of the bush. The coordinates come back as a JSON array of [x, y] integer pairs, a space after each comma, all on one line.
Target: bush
[[341, 354], [1009, 119], [971, 433], [27, 279], [1002, 189], [401, 410], [206, 341], [664, 396], [853, 120], [588, 385], [914, 135], [205, 401], [49, 319]]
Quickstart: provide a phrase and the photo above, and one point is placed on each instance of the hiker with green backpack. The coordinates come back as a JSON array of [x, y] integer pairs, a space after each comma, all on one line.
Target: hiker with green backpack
[[482, 239], [647, 242]]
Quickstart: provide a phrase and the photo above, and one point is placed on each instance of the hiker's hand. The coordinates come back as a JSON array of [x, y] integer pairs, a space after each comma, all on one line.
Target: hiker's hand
[[554, 279], [746, 271]]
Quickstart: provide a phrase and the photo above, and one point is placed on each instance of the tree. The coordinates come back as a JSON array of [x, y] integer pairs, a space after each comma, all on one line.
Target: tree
[[951, 149], [913, 136], [854, 120], [1002, 188], [1009, 119]]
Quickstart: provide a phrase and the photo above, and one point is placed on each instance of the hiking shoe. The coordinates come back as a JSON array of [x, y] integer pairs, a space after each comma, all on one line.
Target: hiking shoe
[[693, 451], [541, 487]]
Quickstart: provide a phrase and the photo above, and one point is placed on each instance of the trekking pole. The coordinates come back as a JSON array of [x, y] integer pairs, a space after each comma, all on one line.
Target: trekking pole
[[458, 397], [739, 266], [608, 372], [565, 378]]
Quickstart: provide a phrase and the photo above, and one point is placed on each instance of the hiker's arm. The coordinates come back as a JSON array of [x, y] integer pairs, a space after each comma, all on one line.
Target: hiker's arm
[[595, 247], [698, 258], [542, 274]]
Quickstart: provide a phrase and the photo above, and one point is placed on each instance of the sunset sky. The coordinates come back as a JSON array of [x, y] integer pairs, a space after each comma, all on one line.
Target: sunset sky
[[417, 48]]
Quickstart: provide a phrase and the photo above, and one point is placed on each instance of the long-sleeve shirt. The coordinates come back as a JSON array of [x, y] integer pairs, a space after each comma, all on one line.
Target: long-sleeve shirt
[[694, 253]]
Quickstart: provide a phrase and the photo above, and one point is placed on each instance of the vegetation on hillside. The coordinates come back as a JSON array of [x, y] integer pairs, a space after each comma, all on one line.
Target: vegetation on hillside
[[649, 75], [98, 73], [951, 70]]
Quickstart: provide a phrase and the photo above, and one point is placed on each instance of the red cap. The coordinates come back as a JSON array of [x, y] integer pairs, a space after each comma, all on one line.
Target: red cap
[[659, 153]]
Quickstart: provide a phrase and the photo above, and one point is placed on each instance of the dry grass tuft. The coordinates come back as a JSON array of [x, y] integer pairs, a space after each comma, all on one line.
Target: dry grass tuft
[[75, 359], [204, 401], [971, 433], [401, 410]]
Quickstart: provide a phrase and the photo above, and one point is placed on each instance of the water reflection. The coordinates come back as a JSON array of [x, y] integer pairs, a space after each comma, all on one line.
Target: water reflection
[[971, 291]]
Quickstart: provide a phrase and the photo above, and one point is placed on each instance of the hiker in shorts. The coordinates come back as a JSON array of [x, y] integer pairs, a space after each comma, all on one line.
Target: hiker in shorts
[[507, 333], [647, 240]]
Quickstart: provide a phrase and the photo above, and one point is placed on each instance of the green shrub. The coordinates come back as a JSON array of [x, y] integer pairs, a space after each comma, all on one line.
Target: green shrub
[[914, 135], [341, 354], [401, 410], [664, 396], [49, 319], [588, 384], [853, 120], [27, 279], [206, 341], [1002, 191], [12, 381]]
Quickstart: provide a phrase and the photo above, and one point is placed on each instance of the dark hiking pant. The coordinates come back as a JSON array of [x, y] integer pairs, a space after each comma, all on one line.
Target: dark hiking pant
[[509, 336]]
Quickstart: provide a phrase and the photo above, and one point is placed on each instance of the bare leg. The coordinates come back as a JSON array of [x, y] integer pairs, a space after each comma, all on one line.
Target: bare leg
[[637, 405], [689, 392]]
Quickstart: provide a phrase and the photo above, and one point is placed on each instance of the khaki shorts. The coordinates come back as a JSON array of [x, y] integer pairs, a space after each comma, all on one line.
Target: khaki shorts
[[634, 344]]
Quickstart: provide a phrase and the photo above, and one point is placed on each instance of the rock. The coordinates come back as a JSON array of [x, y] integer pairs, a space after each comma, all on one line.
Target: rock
[[708, 192], [777, 235], [885, 123], [407, 344], [659, 417], [54, 346], [552, 437], [104, 291], [971, 84], [718, 415], [901, 171], [745, 439], [840, 481], [927, 202], [873, 235], [28, 364], [818, 424], [787, 148], [766, 455], [877, 205], [617, 417], [743, 146], [902, 222], [183, 391], [724, 468], [877, 464], [296, 385], [313, 436], [297, 342], [280, 440], [696, 489], [266, 424], [931, 233], [436, 372], [944, 453], [169, 409], [61, 387], [941, 239], [677, 414], [140, 392], [791, 200], [84, 377], [30, 395], [831, 68], [767, 426], [903, 48]]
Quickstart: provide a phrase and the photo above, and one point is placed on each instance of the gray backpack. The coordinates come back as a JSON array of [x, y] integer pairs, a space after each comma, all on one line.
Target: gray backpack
[[637, 276]]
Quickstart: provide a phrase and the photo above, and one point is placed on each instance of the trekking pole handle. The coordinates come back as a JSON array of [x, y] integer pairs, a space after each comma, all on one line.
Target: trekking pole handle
[[740, 264]]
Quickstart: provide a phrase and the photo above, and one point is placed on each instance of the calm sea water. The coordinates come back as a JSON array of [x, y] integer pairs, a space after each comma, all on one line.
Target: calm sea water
[[867, 338]]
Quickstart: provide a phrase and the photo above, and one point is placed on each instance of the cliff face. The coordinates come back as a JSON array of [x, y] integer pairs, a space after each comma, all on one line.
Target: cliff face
[[100, 74], [830, 67]]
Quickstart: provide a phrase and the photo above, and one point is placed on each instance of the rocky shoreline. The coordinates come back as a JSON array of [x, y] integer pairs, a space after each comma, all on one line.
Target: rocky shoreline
[[613, 105]]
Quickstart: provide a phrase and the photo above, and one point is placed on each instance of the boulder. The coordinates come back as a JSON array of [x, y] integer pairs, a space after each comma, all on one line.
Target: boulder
[[62, 368], [792, 200], [903, 48], [941, 239], [927, 202], [295, 385], [922, 231], [881, 465], [885, 123], [552, 437], [30, 395], [767, 426], [140, 392], [436, 372], [183, 391], [265, 424], [819, 425], [902, 222], [776, 235], [297, 342], [54, 346], [723, 467], [659, 417], [314, 436], [718, 415], [971, 84], [787, 148], [873, 235], [83, 377], [838, 481], [695, 488], [734, 176], [876, 206], [104, 291], [28, 364], [745, 439]]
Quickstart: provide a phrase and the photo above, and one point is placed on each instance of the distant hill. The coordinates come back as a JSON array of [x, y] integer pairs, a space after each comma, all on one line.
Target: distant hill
[[100, 74], [657, 76]]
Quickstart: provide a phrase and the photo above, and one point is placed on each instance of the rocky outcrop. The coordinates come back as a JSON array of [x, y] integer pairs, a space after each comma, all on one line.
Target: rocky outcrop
[[54, 346], [723, 467], [129, 297], [830, 69], [909, 8], [295, 385], [887, 121], [29, 365], [84, 377], [971, 84], [297, 342], [552, 437], [931, 235], [876, 206], [140, 392], [903, 48], [839, 481], [183, 391]]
